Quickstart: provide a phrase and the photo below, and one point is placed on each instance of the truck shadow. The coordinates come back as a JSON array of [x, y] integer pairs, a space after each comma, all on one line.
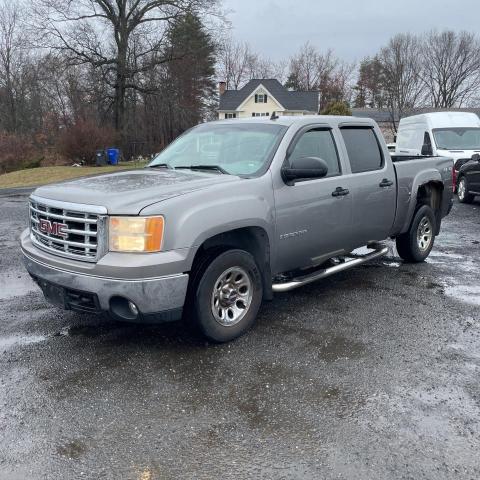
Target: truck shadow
[[318, 304]]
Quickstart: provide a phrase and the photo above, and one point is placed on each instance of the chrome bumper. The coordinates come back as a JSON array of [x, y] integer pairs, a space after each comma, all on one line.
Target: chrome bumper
[[151, 295]]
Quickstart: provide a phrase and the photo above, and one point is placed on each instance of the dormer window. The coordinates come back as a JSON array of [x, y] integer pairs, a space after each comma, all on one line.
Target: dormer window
[[261, 98]]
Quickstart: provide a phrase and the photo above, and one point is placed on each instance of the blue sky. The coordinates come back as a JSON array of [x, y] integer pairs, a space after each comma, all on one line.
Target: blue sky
[[353, 28]]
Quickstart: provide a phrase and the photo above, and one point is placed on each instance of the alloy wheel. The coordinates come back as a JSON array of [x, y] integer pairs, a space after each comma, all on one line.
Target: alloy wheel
[[424, 234], [232, 296]]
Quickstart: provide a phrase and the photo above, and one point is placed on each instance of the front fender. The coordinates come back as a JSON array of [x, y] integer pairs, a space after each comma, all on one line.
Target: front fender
[[192, 219]]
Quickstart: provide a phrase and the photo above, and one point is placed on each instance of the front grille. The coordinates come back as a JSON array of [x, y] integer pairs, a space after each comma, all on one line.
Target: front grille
[[66, 229]]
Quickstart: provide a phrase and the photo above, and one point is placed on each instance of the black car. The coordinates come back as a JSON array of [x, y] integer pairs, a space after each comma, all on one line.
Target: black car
[[468, 180]]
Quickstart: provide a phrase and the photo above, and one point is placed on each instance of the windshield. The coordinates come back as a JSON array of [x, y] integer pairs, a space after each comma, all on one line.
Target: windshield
[[457, 138], [238, 149]]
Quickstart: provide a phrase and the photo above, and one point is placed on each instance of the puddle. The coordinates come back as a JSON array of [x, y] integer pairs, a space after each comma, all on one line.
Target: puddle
[[16, 286], [392, 264], [443, 258], [72, 450], [465, 293], [18, 340], [439, 253], [336, 348]]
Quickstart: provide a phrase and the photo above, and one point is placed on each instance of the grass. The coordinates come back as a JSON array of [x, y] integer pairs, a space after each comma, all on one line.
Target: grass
[[44, 175]]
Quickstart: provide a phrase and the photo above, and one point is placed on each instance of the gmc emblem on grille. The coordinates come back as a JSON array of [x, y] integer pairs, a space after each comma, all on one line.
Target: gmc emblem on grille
[[52, 228]]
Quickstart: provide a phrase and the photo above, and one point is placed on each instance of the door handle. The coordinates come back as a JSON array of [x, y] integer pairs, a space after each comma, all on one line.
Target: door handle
[[386, 183], [340, 192]]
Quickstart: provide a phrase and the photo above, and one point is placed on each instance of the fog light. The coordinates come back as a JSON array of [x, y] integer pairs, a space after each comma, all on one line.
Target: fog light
[[133, 308]]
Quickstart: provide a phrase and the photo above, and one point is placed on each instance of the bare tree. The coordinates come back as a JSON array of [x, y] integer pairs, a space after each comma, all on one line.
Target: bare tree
[[12, 61], [234, 63], [337, 85], [237, 63], [123, 38], [451, 67], [402, 66], [309, 68]]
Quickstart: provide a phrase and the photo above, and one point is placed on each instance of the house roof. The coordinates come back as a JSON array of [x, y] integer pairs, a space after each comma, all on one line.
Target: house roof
[[303, 101], [380, 115], [384, 115]]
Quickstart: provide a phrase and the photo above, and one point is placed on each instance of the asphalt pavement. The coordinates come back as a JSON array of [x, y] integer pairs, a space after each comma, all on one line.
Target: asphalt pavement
[[371, 374]]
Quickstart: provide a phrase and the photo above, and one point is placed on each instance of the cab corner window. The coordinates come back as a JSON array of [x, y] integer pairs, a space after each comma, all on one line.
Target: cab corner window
[[363, 149], [318, 143]]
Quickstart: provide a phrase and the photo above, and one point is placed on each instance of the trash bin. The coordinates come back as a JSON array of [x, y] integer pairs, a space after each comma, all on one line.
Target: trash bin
[[113, 155], [100, 158]]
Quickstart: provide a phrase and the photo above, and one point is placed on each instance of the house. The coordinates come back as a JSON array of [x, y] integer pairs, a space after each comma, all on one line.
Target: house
[[261, 98]]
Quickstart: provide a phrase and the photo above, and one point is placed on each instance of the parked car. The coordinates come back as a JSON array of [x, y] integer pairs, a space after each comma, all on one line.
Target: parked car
[[269, 206], [468, 183]]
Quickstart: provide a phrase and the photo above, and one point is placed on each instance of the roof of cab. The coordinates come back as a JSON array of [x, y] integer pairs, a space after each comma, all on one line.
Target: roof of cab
[[444, 119], [287, 120]]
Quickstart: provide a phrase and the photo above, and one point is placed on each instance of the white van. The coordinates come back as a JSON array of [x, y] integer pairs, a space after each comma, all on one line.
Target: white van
[[449, 134]]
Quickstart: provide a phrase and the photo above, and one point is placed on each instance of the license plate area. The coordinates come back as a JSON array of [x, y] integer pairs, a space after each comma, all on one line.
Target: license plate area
[[69, 299]]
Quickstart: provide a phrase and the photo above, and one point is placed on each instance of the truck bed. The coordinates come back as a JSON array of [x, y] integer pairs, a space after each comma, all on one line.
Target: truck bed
[[404, 158], [412, 172]]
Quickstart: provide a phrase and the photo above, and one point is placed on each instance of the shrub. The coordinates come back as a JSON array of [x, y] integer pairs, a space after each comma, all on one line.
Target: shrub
[[82, 139], [337, 108], [17, 151]]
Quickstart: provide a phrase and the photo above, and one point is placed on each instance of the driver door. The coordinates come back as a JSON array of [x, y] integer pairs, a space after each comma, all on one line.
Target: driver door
[[312, 222]]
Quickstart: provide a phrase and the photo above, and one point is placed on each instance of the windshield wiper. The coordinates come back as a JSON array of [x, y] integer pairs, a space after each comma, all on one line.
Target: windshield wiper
[[216, 168], [160, 165]]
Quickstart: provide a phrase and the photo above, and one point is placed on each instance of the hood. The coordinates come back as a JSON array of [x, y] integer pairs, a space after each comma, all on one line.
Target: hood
[[456, 154], [127, 193]]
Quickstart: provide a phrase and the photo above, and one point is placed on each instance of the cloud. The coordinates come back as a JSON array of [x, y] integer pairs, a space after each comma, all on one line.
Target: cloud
[[353, 28]]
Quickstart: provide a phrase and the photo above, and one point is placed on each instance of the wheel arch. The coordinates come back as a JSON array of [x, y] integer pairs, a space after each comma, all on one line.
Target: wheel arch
[[429, 192], [253, 239]]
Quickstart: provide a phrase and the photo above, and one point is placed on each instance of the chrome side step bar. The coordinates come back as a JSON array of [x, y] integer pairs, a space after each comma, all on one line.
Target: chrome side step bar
[[379, 250]]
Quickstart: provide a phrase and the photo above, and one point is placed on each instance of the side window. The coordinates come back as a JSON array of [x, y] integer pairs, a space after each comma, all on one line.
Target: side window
[[318, 143], [363, 149], [427, 140], [405, 138]]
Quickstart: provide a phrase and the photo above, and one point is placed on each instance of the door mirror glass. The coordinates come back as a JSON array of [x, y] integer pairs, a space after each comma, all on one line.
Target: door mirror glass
[[304, 168]]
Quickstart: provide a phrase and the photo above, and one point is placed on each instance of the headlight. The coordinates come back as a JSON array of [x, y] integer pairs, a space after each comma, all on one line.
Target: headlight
[[136, 234]]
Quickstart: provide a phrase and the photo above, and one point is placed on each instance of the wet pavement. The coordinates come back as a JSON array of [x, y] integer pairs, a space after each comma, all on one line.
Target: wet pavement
[[371, 374]]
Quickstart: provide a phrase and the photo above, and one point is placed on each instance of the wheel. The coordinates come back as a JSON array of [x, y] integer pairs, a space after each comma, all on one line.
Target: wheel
[[462, 191], [227, 295], [416, 244]]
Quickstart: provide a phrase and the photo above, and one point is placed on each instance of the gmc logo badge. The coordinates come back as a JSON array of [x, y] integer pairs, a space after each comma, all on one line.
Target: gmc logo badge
[[52, 228]]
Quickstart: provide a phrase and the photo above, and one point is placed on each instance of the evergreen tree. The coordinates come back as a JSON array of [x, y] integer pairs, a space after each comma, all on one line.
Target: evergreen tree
[[191, 72], [337, 108], [370, 88]]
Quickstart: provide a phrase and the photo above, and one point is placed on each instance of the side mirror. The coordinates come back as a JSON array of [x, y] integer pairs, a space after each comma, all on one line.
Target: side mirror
[[304, 168], [476, 157], [427, 150]]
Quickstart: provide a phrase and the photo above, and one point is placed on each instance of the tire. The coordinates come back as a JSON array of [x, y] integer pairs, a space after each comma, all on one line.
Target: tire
[[462, 191], [226, 295], [416, 244]]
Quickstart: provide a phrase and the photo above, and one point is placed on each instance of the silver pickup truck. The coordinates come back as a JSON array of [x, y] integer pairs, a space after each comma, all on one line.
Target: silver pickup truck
[[230, 213]]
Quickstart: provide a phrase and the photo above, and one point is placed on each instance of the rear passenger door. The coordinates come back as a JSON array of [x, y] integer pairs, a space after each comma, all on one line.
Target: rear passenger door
[[373, 185]]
